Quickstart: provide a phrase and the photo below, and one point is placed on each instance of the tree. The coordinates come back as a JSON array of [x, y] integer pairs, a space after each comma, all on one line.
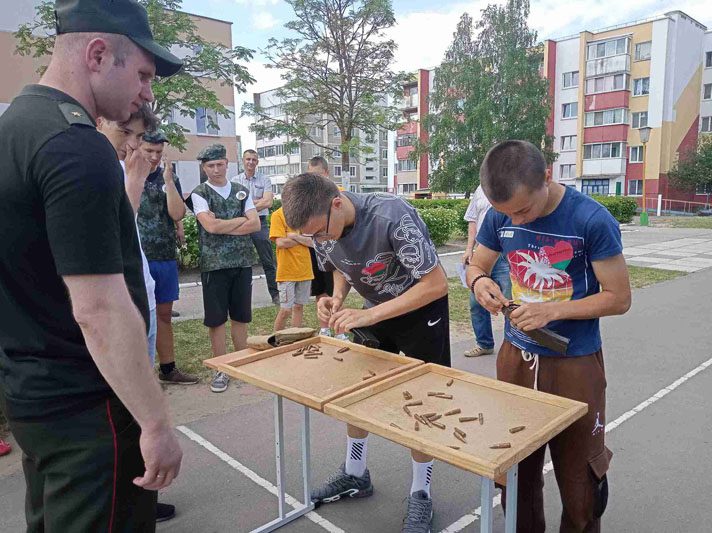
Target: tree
[[336, 71], [694, 168], [488, 90], [205, 63]]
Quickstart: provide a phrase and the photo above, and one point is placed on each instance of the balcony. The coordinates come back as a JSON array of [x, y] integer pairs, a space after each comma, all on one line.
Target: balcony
[[608, 65], [408, 102], [604, 167]]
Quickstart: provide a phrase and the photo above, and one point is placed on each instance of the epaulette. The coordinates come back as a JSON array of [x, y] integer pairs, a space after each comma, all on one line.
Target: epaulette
[[75, 114]]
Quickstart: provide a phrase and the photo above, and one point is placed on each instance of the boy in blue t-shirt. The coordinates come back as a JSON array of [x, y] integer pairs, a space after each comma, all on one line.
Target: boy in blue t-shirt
[[567, 270]]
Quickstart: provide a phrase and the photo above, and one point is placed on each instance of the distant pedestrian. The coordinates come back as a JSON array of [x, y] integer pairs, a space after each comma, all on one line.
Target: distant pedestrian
[[294, 273], [481, 318], [260, 187]]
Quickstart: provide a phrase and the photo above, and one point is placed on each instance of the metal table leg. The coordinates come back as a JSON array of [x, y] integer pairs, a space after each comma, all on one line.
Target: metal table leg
[[510, 520], [487, 517], [284, 517]]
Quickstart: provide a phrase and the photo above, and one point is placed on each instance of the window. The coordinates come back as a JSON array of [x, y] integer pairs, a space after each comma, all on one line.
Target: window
[[641, 86], [608, 48], [384, 172], [571, 79], [337, 170], [706, 124], [703, 188], [567, 171], [569, 110], [635, 187], [602, 150], [591, 187], [708, 59], [636, 154], [406, 165], [707, 91], [411, 117], [568, 142], [606, 117], [406, 139], [642, 51], [206, 121], [353, 188], [384, 153], [601, 84], [640, 120], [406, 188]]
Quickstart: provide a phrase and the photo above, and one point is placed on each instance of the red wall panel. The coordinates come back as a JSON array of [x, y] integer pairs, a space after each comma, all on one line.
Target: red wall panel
[[612, 100], [618, 132]]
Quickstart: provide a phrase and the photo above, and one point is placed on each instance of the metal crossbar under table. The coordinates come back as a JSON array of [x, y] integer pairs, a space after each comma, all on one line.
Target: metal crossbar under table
[[287, 517], [486, 497]]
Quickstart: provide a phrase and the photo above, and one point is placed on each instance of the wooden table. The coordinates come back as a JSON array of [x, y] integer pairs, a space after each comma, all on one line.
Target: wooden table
[[378, 408], [311, 382]]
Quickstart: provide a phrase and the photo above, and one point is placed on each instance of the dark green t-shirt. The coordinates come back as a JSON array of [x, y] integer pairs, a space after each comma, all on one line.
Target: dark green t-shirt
[[65, 212]]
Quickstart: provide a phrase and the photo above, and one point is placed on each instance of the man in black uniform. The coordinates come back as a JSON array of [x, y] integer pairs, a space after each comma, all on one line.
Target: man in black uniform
[[77, 387]]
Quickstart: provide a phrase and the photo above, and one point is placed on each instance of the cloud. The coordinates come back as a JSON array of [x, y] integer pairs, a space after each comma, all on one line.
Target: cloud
[[264, 20]]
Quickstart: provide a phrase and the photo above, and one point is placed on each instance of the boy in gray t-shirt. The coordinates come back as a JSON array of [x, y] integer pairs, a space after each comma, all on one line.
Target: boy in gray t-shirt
[[378, 244]]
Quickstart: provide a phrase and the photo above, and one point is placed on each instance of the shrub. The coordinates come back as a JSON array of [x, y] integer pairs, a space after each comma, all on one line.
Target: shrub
[[621, 207], [448, 203], [441, 223], [189, 255]]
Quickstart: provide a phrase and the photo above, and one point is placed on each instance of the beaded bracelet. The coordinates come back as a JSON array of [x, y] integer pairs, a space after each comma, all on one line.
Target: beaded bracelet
[[472, 285]]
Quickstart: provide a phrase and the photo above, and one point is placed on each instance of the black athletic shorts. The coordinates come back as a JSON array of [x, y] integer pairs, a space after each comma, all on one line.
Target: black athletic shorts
[[227, 290], [423, 334], [323, 282]]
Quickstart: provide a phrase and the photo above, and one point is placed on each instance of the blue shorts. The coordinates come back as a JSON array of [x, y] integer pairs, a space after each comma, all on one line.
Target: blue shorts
[[165, 274]]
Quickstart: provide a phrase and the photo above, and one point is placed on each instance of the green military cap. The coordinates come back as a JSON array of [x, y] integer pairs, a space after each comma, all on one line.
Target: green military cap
[[123, 17], [155, 137], [212, 152]]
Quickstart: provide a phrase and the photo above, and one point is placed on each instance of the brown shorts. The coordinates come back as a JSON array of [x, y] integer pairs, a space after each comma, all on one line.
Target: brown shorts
[[579, 454]]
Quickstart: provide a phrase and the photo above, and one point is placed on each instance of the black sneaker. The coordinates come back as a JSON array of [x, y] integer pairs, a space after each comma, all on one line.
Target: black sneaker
[[165, 511], [341, 485], [419, 514]]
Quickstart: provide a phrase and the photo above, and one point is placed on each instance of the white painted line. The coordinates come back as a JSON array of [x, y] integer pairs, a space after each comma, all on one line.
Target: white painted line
[[451, 253], [468, 519], [253, 476]]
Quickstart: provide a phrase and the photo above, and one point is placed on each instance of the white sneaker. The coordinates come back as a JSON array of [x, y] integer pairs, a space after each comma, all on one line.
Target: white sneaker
[[325, 332]]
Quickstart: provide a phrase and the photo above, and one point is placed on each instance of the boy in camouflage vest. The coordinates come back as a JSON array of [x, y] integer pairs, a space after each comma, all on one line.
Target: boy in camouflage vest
[[226, 216], [161, 207]]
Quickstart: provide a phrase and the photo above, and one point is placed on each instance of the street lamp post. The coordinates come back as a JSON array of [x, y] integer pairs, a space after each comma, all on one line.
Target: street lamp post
[[644, 138]]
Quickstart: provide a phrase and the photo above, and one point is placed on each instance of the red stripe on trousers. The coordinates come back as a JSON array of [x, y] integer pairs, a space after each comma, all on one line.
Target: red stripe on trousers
[[116, 461]]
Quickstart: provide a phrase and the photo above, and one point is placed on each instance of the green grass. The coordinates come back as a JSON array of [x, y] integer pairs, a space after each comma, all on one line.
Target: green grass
[[685, 222], [643, 277]]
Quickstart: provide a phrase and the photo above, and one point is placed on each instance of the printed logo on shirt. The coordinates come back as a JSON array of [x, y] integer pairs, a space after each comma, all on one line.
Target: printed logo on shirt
[[506, 234], [375, 269], [541, 276]]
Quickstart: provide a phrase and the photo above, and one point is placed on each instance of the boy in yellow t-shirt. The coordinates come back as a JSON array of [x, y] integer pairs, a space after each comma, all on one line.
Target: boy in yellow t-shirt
[[294, 270]]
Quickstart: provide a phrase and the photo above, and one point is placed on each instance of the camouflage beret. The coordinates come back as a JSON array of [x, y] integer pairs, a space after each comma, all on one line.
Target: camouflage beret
[[212, 152], [155, 137]]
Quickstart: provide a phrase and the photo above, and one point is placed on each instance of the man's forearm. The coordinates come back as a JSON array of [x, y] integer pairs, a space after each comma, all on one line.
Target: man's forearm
[[304, 241], [116, 338], [604, 303], [225, 227], [176, 206], [134, 190], [285, 242], [341, 286], [431, 287], [263, 204], [471, 235]]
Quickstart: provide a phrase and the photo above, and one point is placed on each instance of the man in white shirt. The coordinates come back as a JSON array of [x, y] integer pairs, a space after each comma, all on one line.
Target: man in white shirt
[[260, 188], [480, 317]]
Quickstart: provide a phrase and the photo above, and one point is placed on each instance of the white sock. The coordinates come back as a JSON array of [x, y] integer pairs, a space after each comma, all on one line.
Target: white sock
[[422, 474], [356, 450]]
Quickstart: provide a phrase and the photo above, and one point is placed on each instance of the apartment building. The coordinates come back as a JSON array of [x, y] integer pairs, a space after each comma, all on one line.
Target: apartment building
[[411, 176], [279, 160], [607, 84], [199, 132]]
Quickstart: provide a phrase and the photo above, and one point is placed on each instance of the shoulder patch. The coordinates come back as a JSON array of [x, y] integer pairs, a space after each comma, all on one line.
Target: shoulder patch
[[75, 114]]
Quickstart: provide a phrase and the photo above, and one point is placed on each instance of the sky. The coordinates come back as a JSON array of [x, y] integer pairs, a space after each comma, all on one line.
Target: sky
[[424, 29]]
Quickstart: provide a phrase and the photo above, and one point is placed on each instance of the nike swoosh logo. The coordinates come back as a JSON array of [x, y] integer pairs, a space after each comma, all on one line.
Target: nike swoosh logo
[[431, 324]]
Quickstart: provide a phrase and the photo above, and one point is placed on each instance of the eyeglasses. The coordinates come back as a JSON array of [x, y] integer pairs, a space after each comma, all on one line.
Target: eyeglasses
[[325, 233]]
